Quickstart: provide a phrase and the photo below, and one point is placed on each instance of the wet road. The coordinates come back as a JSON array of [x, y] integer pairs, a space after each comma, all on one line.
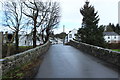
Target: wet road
[[68, 62]]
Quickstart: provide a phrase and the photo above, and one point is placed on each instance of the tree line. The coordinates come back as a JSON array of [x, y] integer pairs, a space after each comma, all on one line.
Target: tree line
[[112, 28], [41, 16]]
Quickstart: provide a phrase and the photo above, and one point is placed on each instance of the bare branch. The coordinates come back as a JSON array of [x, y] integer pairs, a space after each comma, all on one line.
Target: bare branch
[[28, 5], [27, 15]]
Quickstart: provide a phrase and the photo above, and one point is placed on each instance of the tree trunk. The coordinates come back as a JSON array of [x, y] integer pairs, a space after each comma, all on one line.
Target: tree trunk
[[8, 49], [42, 36], [34, 34], [17, 41], [47, 35]]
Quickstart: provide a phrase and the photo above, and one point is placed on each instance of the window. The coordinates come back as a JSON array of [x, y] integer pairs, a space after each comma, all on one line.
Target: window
[[70, 35], [25, 42], [108, 41], [115, 37], [108, 37]]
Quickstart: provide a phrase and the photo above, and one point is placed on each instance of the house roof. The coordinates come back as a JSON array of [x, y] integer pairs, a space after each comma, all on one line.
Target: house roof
[[72, 31], [110, 34]]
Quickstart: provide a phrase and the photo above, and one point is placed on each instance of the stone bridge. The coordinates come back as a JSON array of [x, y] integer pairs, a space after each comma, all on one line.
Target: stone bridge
[[79, 60]]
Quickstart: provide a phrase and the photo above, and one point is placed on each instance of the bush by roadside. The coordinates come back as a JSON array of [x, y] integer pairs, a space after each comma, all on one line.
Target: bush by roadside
[[113, 46], [13, 50]]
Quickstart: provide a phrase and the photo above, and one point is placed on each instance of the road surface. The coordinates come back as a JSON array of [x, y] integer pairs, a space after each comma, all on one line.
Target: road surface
[[67, 62]]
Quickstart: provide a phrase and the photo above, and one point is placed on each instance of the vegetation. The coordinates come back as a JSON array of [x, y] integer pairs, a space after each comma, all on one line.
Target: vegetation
[[19, 73], [42, 16], [112, 28], [13, 50], [116, 50], [113, 45], [90, 32], [14, 18]]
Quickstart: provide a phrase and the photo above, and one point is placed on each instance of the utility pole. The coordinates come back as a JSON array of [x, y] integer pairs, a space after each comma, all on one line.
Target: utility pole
[[63, 28]]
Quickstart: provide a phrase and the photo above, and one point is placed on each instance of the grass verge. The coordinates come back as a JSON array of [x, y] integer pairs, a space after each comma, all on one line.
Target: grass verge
[[116, 50]]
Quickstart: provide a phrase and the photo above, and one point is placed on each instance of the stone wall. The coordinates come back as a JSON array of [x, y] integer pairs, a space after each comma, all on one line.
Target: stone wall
[[9, 63], [1, 42], [107, 55]]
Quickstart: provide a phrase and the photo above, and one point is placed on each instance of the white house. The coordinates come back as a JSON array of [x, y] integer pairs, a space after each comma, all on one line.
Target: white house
[[70, 36], [28, 40], [25, 40], [111, 37]]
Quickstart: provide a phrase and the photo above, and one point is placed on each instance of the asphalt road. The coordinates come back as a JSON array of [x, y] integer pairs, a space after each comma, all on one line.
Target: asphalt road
[[67, 62]]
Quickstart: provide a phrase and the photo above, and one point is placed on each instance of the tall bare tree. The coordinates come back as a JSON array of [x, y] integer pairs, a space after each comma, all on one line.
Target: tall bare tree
[[32, 12], [14, 18]]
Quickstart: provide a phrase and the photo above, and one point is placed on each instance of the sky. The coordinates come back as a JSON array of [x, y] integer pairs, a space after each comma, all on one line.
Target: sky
[[72, 19]]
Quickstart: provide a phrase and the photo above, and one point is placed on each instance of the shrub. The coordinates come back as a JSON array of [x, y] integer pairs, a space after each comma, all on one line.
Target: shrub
[[113, 46], [13, 50]]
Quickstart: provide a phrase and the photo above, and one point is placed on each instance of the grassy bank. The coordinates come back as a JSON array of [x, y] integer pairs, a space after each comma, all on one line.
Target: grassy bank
[[116, 50]]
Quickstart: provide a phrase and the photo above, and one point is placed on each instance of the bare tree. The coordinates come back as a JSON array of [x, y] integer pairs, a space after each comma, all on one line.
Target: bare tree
[[49, 18], [52, 19], [45, 15], [33, 13], [14, 18]]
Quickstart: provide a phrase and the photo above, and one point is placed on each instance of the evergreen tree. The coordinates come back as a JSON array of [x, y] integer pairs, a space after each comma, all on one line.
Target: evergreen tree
[[117, 29], [113, 28], [110, 28], [90, 32]]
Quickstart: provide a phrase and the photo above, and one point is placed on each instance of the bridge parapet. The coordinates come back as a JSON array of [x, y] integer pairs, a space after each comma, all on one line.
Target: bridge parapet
[[105, 54], [11, 62]]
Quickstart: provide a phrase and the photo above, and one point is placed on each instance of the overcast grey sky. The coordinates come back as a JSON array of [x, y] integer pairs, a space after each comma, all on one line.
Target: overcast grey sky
[[71, 17]]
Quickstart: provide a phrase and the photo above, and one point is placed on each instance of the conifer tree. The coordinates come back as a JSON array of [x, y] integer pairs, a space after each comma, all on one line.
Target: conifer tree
[[90, 32]]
